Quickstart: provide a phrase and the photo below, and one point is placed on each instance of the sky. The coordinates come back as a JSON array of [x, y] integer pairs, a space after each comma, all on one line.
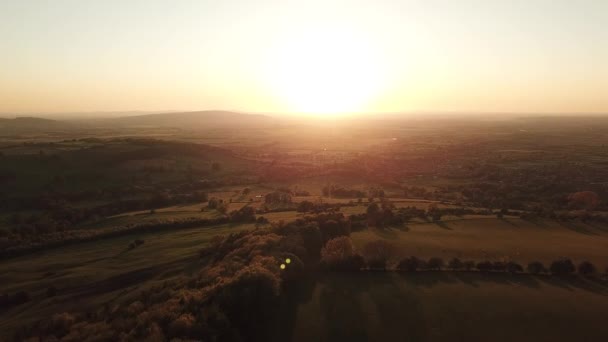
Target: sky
[[318, 56]]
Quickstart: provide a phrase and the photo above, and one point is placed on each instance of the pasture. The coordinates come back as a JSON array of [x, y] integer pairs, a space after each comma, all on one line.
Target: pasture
[[444, 306], [95, 273], [486, 238]]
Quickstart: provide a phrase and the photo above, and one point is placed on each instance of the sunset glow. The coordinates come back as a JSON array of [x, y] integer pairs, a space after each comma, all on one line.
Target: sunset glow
[[325, 72], [322, 57]]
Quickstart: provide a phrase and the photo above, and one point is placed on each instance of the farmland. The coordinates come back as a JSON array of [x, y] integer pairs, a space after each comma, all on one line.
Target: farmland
[[105, 272], [446, 307], [102, 272], [106, 230], [493, 239]]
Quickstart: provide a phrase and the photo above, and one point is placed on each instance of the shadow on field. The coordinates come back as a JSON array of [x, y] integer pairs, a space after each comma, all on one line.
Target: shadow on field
[[509, 222], [475, 279], [385, 306], [403, 228], [295, 293], [390, 234], [352, 307], [442, 224], [576, 283], [131, 278], [535, 222], [430, 279], [602, 227], [577, 227]]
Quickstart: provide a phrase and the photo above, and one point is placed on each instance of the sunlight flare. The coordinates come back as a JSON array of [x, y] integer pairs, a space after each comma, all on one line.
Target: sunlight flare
[[326, 72]]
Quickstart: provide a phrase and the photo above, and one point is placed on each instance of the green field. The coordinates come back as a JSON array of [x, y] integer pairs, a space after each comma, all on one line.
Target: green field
[[423, 306], [445, 307], [496, 239], [90, 274]]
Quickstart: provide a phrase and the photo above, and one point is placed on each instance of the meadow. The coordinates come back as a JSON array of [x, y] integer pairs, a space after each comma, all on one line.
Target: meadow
[[439, 304], [502, 195], [98, 273], [442, 306], [479, 238]]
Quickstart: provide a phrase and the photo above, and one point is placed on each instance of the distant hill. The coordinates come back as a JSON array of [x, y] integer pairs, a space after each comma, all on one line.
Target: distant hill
[[30, 123], [192, 120]]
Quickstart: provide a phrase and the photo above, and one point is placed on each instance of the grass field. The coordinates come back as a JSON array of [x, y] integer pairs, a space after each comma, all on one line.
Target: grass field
[[445, 307], [91, 274], [496, 239], [379, 306], [144, 216]]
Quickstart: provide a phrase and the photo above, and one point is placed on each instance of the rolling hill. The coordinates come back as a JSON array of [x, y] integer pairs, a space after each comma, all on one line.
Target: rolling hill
[[30, 123], [192, 120]]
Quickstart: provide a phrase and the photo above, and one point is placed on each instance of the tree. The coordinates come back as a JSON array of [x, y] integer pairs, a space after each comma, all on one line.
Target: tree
[[159, 199], [536, 267], [433, 212], [279, 197], [586, 269], [338, 254], [435, 263], [583, 200], [337, 250], [251, 287], [484, 266], [376, 264], [245, 214], [311, 240], [305, 206], [378, 253], [513, 267], [499, 266], [354, 263], [260, 220], [469, 265], [379, 216], [455, 264], [213, 203], [411, 264], [182, 326], [562, 267], [334, 228], [373, 213]]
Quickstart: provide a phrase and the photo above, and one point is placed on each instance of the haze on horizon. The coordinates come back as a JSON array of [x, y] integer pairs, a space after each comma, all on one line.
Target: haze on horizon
[[304, 56]]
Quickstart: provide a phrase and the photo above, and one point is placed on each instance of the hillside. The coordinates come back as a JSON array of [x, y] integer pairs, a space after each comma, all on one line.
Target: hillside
[[19, 124], [192, 120]]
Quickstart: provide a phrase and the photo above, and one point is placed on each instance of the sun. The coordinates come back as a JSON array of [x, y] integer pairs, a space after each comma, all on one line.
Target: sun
[[325, 72]]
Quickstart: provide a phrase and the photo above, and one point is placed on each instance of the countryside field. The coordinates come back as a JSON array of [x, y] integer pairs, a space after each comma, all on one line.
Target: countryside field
[[424, 307], [106, 272], [155, 239], [447, 307], [495, 239]]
